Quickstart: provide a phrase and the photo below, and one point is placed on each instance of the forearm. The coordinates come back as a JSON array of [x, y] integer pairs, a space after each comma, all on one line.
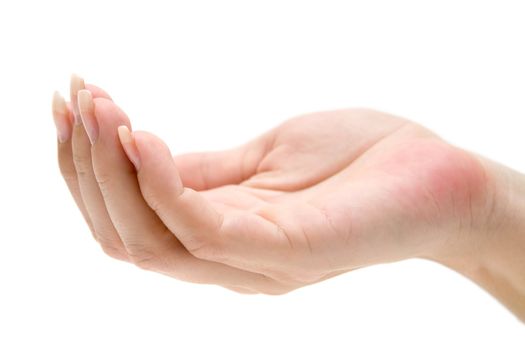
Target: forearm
[[494, 254]]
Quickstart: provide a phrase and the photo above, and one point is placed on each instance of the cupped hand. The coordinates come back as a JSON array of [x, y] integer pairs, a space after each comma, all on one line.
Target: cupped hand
[[319, 195]]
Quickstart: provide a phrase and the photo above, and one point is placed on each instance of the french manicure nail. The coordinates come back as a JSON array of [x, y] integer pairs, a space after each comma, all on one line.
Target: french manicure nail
[[60, 117], [86, 110], [128, 143], [77, 84]]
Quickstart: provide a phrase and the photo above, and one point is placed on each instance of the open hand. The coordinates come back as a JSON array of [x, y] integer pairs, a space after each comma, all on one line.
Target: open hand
[[319, 195]]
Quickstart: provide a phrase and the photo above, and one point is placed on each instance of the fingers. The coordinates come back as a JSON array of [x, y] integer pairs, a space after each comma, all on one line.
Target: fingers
[[102, 226], [206, 170], [63, 121], [116, 177], [242, 238], [147, 240], [104, 185]]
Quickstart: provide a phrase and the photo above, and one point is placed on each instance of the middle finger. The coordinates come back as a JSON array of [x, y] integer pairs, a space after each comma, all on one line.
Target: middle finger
[[103, 228]]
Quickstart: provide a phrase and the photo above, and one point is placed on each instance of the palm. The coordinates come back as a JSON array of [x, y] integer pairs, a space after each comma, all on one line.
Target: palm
[[329, 185]]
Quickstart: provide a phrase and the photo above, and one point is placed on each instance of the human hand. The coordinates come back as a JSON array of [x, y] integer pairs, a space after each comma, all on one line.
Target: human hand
[[319, 195]]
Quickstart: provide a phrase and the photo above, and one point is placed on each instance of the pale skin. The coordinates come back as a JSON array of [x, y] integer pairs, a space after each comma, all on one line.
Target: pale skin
[[317, 196]]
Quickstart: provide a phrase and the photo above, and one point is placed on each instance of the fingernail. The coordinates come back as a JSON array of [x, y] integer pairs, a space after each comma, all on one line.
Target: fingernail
[[60, 117], [128, 143], [77, 84], [87, 112]]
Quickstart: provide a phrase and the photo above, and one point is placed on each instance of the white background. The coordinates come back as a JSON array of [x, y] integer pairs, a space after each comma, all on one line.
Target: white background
[[208, 75]]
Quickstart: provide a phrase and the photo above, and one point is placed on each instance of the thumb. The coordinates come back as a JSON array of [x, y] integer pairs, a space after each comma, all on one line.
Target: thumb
[[184, 211]]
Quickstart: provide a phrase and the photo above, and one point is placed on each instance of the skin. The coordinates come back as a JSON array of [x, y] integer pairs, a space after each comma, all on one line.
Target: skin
[[317, 196]]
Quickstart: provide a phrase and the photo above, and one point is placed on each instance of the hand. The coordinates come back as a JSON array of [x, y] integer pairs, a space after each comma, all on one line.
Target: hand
[[319, 195]]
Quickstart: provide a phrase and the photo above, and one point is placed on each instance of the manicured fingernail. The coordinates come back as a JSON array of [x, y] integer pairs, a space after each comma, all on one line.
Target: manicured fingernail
[[77, 84], [128, 143], [60, 117], [87, 112]]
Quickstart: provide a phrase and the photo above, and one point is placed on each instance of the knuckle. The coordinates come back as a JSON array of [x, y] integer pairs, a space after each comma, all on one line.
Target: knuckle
[[143, 257], [102, 178], [81, 159], [200, 252], [153, 201], [204, 248], [67, 170], [68, 175], [114, 252], [207, 245], [103, 181], [111, 247], [82, 165]]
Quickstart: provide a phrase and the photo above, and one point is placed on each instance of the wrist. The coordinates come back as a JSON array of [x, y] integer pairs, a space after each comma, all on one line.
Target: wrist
[[492, 254]]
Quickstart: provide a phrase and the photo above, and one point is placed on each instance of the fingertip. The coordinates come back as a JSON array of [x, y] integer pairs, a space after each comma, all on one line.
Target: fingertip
[[98, 92], [76, 84], [84, 100], [60, 117], [124, 134], [58, 106], [128, 144], [86, 109], [150, 145], [109, 116], [157, 166]]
